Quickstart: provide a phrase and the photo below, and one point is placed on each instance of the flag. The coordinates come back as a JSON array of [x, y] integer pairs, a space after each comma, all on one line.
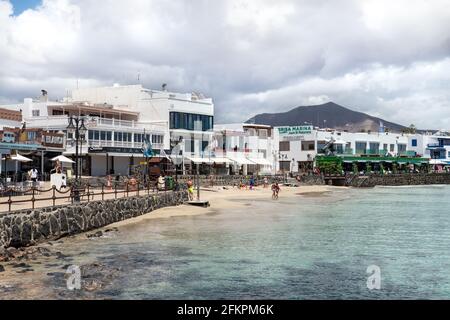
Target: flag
[[163, 154], [147, 149]]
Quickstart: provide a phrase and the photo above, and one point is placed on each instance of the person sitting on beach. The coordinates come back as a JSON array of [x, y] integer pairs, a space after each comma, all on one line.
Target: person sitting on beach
[[275, 190]]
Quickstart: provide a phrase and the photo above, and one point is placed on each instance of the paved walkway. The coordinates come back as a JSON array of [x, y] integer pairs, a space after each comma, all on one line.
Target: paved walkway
[[44, 199]]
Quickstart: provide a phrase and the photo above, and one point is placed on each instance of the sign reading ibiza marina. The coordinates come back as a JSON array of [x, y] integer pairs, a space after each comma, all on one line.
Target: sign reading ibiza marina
[[294, 132]]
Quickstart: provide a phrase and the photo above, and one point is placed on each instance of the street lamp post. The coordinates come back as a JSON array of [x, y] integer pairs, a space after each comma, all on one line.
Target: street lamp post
[[78, 130]]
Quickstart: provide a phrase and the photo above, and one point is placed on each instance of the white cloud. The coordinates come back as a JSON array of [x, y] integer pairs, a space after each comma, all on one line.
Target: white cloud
[[388, 58]]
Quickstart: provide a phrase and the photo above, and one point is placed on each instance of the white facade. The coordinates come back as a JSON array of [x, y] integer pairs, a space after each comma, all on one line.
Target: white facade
[[155, 106], [247, 146], [435, 147], [296, 147]]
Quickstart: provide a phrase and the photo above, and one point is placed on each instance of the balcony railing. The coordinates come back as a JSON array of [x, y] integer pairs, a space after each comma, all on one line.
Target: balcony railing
[[61, 122]]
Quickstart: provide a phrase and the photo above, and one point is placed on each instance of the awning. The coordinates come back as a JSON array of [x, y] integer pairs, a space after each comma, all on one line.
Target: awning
[[437, 161], [261, 161], [20, 158], [221, 160], [62, 159], [199, 160], [115, 154], [241, 160]]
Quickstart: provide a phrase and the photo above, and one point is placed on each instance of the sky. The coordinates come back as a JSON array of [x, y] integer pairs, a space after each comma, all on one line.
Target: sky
[[22, 5], [388, 58]]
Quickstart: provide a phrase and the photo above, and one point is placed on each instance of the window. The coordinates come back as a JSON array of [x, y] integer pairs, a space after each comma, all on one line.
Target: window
[[36, 113], [285, 165], [414, 142], [157, 138], [96, 135], [204, 145], [190, 121], [448, 154], [263, 133], [31, 136], [374, 147], [285, 145], [307, 145], [360, 147], [385, 147], [401, 148], [137, 137], [392, 148]]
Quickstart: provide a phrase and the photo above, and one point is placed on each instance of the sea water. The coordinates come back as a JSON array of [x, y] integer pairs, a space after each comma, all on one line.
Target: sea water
[[315, 246]]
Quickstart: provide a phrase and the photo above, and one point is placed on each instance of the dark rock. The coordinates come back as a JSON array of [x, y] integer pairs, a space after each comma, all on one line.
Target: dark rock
[[21, 265], [26, 233], [2, 268], [98, 234]]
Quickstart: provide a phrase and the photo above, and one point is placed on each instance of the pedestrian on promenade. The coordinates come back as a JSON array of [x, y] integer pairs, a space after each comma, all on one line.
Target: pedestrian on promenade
[[266, 183], [275, 190], [252, 183], [190, 186]]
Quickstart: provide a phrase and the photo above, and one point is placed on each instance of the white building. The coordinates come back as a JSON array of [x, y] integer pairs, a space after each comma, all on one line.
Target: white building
[[248, 147], [113, 142], [188, 117], [295, 147], [435, 147]]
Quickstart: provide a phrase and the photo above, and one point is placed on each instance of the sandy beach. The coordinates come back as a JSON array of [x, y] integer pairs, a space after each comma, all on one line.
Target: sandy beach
[[223, 198]]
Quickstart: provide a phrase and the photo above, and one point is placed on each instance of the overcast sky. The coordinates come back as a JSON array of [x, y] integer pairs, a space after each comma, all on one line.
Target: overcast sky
[[389, 58]]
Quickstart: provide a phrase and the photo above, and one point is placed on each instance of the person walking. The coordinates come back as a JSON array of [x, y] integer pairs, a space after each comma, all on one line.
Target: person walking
[[252, 183], [34, 176], [275, 190], [190, 186], [266, 183]]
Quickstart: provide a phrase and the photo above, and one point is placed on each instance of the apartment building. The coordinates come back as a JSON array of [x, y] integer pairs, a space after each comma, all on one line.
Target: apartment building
[[247, 147], [295, 147]]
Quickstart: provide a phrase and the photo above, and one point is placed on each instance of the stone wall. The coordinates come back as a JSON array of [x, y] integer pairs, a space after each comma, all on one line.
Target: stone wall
[[312, 180], [232, 180], [23, 228], [400, 180]]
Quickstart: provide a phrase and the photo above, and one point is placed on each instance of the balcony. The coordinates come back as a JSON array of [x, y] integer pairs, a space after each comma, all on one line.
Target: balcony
[[61, 122], [118, 144], [435, 146]]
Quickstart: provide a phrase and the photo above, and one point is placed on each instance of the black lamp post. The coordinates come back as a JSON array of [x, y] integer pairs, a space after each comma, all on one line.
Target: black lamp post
[[78, 130]]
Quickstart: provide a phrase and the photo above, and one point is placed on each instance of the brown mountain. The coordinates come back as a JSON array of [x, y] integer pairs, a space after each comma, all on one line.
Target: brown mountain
[[328, 115]]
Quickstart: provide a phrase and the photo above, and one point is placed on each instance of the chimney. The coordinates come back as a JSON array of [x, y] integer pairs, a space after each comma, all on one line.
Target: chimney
[[44, 96]]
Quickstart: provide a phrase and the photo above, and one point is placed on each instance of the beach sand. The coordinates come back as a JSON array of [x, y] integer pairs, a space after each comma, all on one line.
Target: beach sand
[[220, 198]]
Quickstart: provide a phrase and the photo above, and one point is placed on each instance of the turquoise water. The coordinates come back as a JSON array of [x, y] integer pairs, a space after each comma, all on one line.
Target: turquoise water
[[310, 247]]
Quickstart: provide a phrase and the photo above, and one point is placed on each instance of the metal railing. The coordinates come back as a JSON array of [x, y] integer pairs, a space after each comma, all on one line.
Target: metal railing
[[86, 193]]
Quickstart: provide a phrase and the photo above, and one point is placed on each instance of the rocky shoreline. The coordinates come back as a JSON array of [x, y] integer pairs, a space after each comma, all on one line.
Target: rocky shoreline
[[31, 227]]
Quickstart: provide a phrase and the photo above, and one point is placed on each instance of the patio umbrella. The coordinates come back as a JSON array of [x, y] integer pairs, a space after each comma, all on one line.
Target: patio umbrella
[[62, 159], [20, 158]]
